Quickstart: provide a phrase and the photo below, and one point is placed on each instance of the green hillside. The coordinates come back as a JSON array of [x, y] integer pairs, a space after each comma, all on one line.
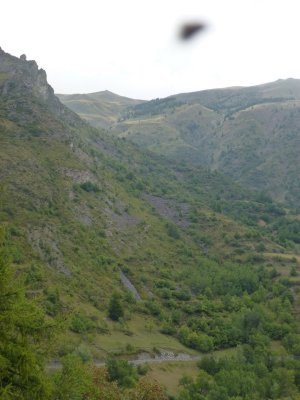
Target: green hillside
[[126, 252], [100, 109], [250, 134]]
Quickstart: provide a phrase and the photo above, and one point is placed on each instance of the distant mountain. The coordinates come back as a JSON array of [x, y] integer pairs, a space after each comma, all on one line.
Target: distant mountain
[[251, 134], [100, 109]]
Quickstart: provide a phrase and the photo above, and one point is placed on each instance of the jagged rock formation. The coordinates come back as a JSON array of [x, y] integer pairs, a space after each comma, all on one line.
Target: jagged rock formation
[[22, 83]]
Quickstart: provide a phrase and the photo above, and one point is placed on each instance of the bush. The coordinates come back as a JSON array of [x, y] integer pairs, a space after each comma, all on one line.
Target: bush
[[122, 372], [89, 187], [81, 323], [183, 295], [143, 369], [53, 304], [197, 341], [83, 352], [153, 307], [172, 231], [168, 329]]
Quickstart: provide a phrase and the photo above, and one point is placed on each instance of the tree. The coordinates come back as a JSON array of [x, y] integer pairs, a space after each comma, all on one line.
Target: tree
[[22, 326], [115, 309], [122, 372], [75, 380], [293, 271]]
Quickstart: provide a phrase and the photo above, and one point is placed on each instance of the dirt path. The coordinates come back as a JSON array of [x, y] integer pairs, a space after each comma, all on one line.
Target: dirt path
[[143, 358]]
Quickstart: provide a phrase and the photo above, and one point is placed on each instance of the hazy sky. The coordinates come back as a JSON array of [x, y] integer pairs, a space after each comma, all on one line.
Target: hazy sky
[[131, 47]]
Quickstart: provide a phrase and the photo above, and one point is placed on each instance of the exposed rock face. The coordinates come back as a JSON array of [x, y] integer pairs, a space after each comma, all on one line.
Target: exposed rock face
[[20, 78], [126, 282], [23, 74]]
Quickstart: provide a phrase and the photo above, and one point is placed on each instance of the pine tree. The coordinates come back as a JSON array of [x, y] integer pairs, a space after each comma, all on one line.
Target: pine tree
[[75, 380], [21, 327], [115, 309]]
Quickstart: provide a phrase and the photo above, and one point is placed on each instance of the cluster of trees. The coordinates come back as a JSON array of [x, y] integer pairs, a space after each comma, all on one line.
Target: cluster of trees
[[153, 107], [215, 307], [285, 231], [118, 381], [252, 373]]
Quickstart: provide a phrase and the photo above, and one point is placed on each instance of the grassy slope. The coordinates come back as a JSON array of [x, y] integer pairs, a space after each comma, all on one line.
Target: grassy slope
[[70, 240], [100, 109]]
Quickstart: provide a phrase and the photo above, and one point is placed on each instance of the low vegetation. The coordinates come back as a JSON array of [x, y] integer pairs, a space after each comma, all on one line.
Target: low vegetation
[[115, 251]]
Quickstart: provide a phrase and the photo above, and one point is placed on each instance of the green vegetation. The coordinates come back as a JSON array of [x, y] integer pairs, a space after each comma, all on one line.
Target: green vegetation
[[124, 252], [89, 187], [250, 134], [101, 109], [153, 107], [75, 381], [119, 381], [115, 309], [22, 329], [122, 372], [253, 373]]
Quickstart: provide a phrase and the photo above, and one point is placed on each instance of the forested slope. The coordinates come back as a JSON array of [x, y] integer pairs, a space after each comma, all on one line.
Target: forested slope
[[210, 260]]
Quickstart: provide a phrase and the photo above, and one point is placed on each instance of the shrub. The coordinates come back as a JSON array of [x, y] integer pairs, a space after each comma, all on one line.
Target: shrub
[[89, 187], [122, 372], [153, 307], [115, 309], [81, 323], [172, 231]]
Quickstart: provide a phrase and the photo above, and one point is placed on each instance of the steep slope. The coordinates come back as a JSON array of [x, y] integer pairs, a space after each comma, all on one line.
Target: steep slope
[[100, 109], [88, 215], [250, 134]]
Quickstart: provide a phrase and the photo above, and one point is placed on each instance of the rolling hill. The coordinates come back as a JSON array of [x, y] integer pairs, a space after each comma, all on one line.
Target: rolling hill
[[100, 109], [250, 134]]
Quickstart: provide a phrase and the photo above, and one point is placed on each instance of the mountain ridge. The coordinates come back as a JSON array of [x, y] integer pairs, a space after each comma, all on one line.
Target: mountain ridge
[[101, 109], [248, 133]]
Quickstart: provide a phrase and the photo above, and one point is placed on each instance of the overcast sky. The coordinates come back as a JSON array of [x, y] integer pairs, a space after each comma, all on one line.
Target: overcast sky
[[131, 47]]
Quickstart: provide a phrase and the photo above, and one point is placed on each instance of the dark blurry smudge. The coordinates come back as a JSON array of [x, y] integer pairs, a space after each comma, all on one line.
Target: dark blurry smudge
[[188, 31]]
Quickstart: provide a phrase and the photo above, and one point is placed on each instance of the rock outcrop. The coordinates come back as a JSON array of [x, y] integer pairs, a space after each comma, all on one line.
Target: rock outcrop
[[21, 79]]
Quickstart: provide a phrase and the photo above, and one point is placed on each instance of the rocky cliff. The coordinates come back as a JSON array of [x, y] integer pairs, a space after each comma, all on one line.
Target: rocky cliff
[[22, 81]]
